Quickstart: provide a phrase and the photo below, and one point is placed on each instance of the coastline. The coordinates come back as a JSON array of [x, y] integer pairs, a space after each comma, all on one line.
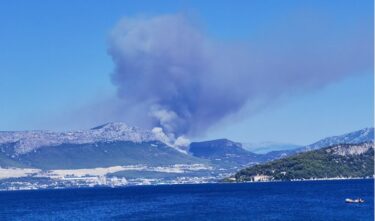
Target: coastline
[[180, 184], [311, 179], [302, 180]]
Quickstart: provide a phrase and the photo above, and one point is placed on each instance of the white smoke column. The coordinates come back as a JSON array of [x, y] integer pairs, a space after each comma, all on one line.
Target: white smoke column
[[181, 143], [169, 74]]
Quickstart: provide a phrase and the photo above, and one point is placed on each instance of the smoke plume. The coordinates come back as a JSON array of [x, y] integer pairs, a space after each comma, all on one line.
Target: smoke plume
[[170, 74]]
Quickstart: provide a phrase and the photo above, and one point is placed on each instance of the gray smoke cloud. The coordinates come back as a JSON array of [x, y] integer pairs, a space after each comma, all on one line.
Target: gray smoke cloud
[[170, 74]]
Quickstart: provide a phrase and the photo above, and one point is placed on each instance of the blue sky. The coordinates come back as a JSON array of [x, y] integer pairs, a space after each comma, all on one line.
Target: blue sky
[[54, 61]]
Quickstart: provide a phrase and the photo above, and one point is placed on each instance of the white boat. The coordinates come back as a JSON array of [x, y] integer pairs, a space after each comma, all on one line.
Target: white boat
[[359, 200]]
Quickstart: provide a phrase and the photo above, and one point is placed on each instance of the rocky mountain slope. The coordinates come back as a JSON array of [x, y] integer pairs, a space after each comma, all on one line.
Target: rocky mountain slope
[[27, 141], [359, 136]]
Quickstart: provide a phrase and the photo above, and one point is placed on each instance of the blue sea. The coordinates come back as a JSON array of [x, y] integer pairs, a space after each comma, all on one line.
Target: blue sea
[[307, 200]]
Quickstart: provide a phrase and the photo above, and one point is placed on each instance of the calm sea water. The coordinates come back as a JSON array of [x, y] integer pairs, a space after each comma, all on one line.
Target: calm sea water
[[312, 200]]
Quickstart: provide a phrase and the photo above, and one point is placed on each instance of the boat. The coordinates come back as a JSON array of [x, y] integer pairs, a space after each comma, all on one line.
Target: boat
[[359, 200]]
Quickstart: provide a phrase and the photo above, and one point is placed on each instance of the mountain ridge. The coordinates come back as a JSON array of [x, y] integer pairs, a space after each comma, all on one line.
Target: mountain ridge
[[16, 148], [354, 137], [27, 141]]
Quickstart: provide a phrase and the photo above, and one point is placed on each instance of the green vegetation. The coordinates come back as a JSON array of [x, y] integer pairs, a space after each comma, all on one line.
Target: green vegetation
[[323, 163]]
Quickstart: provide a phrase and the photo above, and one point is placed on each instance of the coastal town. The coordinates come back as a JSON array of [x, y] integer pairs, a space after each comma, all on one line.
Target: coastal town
[[117, 176]]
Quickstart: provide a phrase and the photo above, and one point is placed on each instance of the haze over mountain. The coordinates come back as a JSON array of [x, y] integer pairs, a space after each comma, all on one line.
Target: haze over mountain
[[265, 147]]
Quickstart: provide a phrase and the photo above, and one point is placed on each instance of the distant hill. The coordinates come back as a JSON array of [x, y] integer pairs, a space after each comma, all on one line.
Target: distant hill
[[359, 136], [227, 153], [343, 160], [282, 150], [274, 148], [223, 152], [266, 147]]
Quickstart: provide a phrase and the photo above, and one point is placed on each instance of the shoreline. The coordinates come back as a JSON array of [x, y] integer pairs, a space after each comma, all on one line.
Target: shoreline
[[179, 184], [302, 180]]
